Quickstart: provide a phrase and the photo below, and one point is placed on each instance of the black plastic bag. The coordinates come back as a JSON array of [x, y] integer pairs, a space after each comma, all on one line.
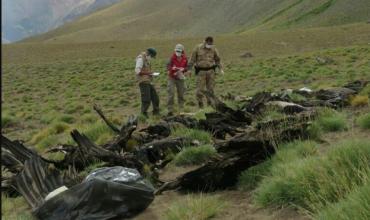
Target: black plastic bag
[[107, 193]]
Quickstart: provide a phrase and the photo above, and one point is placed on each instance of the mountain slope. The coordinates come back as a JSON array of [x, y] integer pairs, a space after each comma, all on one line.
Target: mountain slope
[[24, 18], [146, 19], [320, 13]]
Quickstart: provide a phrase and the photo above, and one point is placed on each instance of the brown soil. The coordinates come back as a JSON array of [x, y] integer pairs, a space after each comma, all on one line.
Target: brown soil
[[171, 172], [160, 204], [239, 207], [239, 204]]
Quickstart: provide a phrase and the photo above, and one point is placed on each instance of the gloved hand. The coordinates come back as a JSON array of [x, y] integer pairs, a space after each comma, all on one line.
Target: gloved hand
[[222, 72]]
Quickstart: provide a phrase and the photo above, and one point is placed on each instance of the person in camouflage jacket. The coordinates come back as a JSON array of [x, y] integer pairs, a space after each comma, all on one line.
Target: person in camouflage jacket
[[205, 59]]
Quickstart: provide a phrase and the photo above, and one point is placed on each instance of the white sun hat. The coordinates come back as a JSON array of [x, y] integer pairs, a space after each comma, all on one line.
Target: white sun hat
[[179, 48]]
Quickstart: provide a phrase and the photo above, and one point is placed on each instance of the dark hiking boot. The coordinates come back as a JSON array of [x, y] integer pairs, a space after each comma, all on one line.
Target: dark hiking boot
[[169, 114]]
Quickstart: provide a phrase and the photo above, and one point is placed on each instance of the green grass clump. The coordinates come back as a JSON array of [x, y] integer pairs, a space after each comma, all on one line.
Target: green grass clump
[[49, 141], [142, 118], [94, 166], [7, 120], [49, 117], [194, 155], [250, 178], [366, 90], [58, 156], [201, 114], [359, 101], [104, 138], [364, 121], [296, 150], [89, 118], [59, 127], [96, 131], [355, 206], [194, 134], [41, 135], [67, 119], [288, 153], [271, 113], [9, 205], [331, 121], [317, 182], [315, 131], [73, 108], [54, 129], [199, 207], [296, 98]]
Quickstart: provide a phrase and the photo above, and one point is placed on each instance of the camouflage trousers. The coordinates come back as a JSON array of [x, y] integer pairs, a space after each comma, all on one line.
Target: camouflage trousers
[[205, 82], [180, 87]]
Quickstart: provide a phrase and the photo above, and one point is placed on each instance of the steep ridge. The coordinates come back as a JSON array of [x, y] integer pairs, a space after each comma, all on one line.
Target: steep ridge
[[148, 19], [24, 18]]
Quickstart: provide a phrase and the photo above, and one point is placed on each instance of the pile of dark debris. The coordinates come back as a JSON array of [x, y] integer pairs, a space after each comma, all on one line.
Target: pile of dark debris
[[120, 188]]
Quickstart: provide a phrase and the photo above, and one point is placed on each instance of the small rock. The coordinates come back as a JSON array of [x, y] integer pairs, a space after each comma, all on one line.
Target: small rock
[[195, 143], [324, 60], [246, 55]]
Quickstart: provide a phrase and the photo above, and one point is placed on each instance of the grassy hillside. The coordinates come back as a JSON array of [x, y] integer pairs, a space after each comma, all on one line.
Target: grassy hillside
[[49, 88], [312, 13], [44, 101], [43, 82], [148, 19], [260, 44]]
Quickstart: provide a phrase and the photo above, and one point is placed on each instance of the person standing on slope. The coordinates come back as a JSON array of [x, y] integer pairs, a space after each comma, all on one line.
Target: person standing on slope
[[177, 69], [205, 59], [145, 76]]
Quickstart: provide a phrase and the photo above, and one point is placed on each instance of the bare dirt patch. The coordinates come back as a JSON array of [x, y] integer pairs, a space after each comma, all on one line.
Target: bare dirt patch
[[239, 204]]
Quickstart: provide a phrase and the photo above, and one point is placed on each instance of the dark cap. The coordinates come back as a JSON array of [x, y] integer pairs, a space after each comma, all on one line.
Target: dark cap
[[209, 39], [152, 52]]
